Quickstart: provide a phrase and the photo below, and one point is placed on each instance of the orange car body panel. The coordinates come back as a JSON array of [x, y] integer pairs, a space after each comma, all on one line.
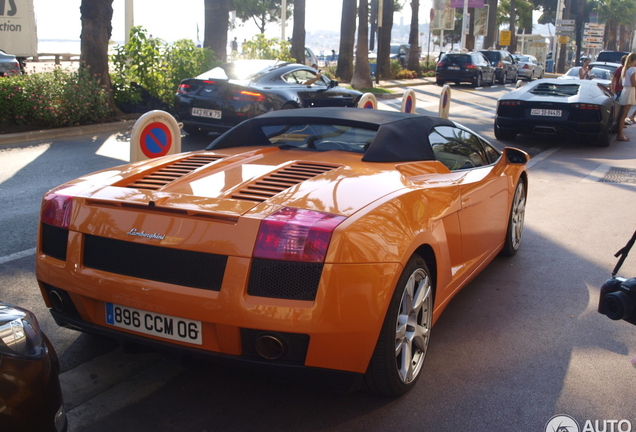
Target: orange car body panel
[[391, 211]]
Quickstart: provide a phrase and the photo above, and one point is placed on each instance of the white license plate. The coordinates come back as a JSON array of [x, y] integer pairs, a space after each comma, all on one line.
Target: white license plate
[[453, 68], [155, 324], [546, 112], [200, 112]]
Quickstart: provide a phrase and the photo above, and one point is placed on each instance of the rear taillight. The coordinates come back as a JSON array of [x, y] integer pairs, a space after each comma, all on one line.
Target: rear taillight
[[293, 234], [511, 102], [470, 66], [56, 210], [247, 96], [183, 89], [441, 64], [587, 107]]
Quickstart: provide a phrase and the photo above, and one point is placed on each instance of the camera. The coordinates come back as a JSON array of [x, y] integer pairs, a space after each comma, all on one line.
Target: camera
[[618, 299]]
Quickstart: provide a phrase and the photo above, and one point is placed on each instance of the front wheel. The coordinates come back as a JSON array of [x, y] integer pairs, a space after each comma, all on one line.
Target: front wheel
[[515, 221], [403, 342]]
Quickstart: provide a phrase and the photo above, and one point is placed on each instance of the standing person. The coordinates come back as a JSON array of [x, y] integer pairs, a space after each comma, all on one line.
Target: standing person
[[584, 71], [628, 94], [234, 45]]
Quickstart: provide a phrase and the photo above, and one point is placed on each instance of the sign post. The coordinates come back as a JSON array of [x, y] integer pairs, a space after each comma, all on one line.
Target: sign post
[[155, 134]]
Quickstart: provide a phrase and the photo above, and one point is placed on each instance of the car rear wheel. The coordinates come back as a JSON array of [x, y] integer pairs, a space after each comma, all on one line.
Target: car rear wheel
[[505, 135], [503, 78], [289, 105], [477, 81], [515, 221], [439, 82], [604, 139], [403, 342], [492, 80]]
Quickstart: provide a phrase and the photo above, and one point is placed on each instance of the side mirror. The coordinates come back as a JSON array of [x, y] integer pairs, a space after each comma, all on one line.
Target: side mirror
[[333, 83], [516, 156]]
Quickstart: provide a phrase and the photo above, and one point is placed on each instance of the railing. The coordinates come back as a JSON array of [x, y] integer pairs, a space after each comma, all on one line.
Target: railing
[[59, 57]]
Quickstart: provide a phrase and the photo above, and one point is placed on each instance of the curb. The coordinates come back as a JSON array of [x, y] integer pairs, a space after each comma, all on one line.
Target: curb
[[65, 132]]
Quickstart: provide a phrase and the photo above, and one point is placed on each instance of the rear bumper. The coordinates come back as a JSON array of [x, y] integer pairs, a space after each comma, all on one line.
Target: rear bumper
[[546, 127], [326, 379]]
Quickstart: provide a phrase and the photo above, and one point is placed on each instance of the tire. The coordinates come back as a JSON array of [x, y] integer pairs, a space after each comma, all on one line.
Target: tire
[[503, 78], [194, 131], [514, 231], [492, 80], [531, 76], [398, 357], [439, 82], [604, 139], [477, 81], [504, 135], [289, 105]]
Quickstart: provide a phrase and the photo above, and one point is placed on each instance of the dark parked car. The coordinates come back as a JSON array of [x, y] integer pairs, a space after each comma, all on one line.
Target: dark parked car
[[611, 56], [226, 95], [30, 393], [583, 109], [470, 67], [505, 65]]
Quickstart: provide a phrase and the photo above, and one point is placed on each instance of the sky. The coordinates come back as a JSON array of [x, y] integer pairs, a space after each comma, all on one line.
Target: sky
[[176, 20]]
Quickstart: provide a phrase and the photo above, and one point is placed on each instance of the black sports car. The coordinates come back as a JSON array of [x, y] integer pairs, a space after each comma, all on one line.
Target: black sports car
[[226, 95], [584, 109]]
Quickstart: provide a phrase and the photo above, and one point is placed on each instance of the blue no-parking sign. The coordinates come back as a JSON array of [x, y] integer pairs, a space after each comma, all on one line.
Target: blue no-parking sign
[[155, 134]]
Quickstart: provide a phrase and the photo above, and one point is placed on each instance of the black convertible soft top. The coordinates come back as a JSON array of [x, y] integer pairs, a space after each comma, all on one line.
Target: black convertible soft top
[[400, 137]]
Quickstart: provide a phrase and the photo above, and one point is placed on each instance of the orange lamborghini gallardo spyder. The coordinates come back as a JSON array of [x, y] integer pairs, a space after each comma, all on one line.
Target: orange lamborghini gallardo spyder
[[325, 240]]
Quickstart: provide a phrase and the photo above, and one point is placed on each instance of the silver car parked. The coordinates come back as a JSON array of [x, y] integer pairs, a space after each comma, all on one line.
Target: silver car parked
[[9, 65], [529, 67]]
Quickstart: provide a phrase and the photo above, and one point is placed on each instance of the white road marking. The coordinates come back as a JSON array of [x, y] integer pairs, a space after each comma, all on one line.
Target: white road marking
[[17, 255]]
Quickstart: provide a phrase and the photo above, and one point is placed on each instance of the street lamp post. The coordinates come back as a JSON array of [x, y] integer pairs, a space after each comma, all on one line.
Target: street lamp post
[[129, 19]]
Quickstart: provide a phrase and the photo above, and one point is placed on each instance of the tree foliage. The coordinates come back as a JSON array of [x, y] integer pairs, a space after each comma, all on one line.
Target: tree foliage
[[148, 64], [259, 47], [261, 12]]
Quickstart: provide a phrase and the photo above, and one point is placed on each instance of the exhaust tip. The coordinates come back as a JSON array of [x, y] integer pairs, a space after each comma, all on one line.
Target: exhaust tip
[[270, 347], [56, 300]]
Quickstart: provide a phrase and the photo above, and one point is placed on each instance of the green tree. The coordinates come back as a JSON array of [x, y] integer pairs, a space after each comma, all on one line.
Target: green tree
[[616, 13], [259, 47], [262, 12]]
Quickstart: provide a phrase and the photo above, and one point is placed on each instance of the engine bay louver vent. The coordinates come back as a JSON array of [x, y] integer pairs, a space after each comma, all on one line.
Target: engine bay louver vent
[[276, 182], [163, 176]]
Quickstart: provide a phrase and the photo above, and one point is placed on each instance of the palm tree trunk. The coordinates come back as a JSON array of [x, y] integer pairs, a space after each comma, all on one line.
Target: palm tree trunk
[[344, 70], [362, 73], [217, 18], [298, 34], [414, 37], [96, 19]]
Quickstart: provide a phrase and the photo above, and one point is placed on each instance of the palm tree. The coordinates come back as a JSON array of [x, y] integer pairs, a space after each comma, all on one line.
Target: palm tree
[[298, 34], [96, 19], [344, 70], [362, 72], [615, 13], [217, 19], [414, 37], [384, 40]]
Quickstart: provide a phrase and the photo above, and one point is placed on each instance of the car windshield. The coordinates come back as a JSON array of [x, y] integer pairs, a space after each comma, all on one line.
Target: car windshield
[[457, 58], [238, 70], [522, 58], [491, 55], [306, 136], [600, 73], [552, 89]]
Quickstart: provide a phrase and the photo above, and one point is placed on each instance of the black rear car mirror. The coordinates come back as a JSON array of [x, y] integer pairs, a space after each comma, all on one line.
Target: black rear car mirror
[[333, 83], [515, 156]]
